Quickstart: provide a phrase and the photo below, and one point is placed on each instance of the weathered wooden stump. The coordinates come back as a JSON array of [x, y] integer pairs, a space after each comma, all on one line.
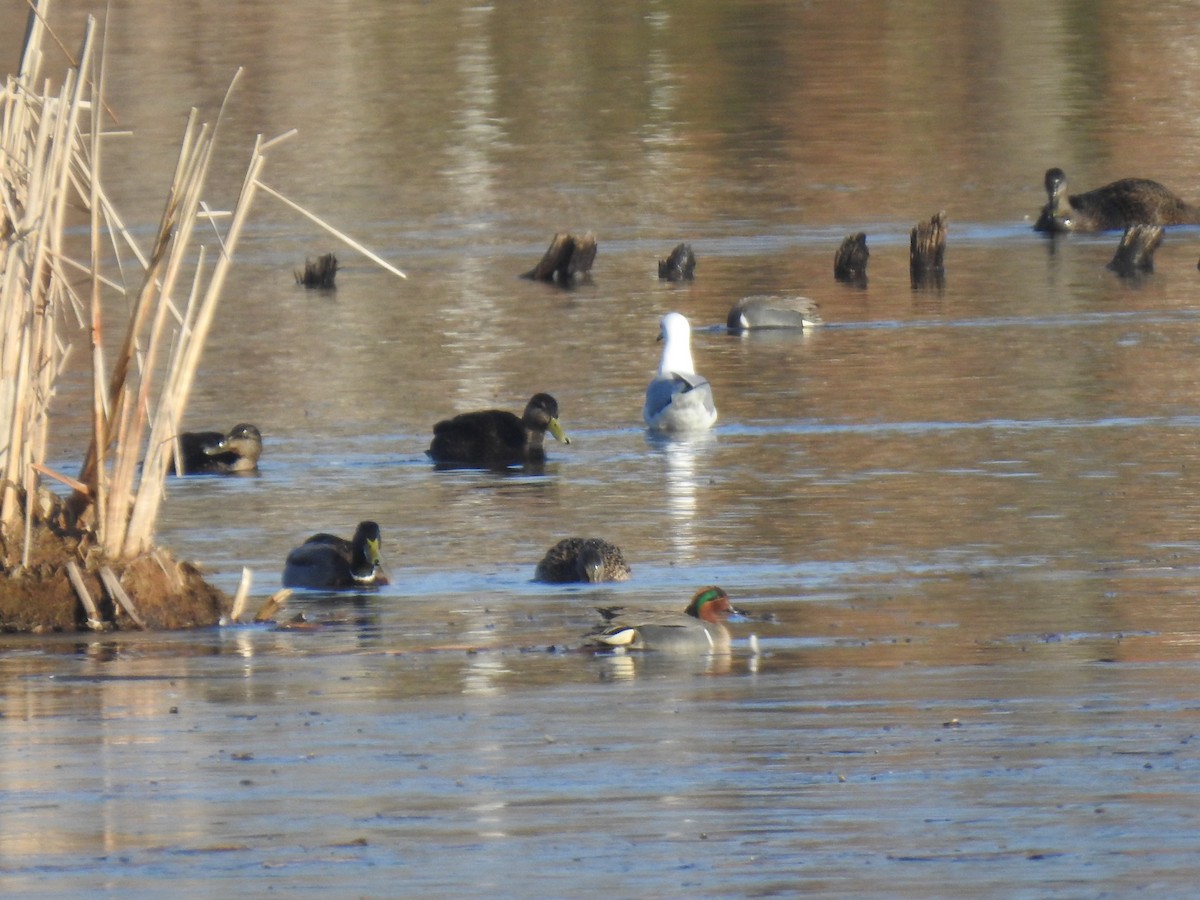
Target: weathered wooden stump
[[679, 266], [927, 250], [850, 261], [319, 274], [567, 259], [1135, 253]]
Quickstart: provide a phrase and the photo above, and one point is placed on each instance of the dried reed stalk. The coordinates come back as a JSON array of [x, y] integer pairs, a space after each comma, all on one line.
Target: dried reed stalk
[[51, 149], [37, 152]]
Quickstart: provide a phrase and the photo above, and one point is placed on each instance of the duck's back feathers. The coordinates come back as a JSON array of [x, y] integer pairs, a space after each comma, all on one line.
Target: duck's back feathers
[[488, 436], [582, 559]]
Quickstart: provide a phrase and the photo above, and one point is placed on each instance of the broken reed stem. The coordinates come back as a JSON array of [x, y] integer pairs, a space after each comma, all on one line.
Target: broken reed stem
[[81, 591], [119, 597], [275, 603], [38, 145], [239, 599], [177, 225], [345, 238], [178, 383]]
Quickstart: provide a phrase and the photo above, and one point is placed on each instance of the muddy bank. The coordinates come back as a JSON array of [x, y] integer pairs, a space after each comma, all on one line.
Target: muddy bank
[[40, 596]]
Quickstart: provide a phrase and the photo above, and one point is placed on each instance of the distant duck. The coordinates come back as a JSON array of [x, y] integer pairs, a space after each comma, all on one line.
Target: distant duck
[[677, 399], [496, 438], [211, 451], [326, 561], [698, 629], [1130, 201], [762, 311], [582, 559]]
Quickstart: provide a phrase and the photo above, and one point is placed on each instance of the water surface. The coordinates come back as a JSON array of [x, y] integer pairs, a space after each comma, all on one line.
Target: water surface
[[962, 518]]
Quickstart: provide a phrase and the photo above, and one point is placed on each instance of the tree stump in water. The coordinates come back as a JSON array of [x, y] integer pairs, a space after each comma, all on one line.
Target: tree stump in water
[[679, 266], [566, 259], [927, 250], [1135, 253], [319, 274], [850, 261]]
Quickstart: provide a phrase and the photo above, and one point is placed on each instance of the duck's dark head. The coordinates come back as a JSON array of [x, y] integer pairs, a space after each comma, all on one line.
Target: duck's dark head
[[1056, 183], [367, 563], [1057, 215], [541, 415]]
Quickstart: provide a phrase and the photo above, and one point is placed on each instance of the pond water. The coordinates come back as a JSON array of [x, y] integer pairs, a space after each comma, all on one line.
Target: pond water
[[961, 519]]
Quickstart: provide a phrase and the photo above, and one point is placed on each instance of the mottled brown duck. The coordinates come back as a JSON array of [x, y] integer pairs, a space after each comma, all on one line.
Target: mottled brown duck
[[1130, 201]]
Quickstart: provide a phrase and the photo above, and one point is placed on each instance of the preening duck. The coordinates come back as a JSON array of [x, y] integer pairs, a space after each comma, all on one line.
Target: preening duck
[[1130, 201], [212, 451]]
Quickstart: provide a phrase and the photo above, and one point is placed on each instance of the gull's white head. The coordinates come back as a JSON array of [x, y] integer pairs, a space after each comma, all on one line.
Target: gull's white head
[[677, 351]]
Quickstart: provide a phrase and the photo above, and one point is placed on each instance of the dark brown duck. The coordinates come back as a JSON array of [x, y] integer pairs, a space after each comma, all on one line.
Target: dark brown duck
[[496, 438], [1130, 201]]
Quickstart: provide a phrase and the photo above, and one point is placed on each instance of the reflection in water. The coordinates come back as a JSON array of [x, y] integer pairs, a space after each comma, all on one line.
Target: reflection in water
[[472, 323], [627, 666], [681, 484], [482, 672]]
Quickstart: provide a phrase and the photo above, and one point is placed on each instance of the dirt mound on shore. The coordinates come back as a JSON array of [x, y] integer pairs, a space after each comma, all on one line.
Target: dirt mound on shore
[[41, 596]]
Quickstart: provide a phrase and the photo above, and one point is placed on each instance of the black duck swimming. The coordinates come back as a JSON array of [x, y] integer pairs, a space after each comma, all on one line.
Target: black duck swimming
[[582, 559], [326, 561], [495, 438], [211, 451], [1130, 201]]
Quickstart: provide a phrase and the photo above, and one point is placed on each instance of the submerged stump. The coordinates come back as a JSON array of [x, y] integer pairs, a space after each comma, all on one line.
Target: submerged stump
[[850, 261], [1135, 253], [567, 259], [927, 250], [680, 265], [319, 274]]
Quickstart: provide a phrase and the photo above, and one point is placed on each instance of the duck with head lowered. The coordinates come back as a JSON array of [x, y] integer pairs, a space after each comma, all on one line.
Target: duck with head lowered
[[677, 399], [700, 628], [1115, 206], [772, 312], [496, 438], [589, 560]]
